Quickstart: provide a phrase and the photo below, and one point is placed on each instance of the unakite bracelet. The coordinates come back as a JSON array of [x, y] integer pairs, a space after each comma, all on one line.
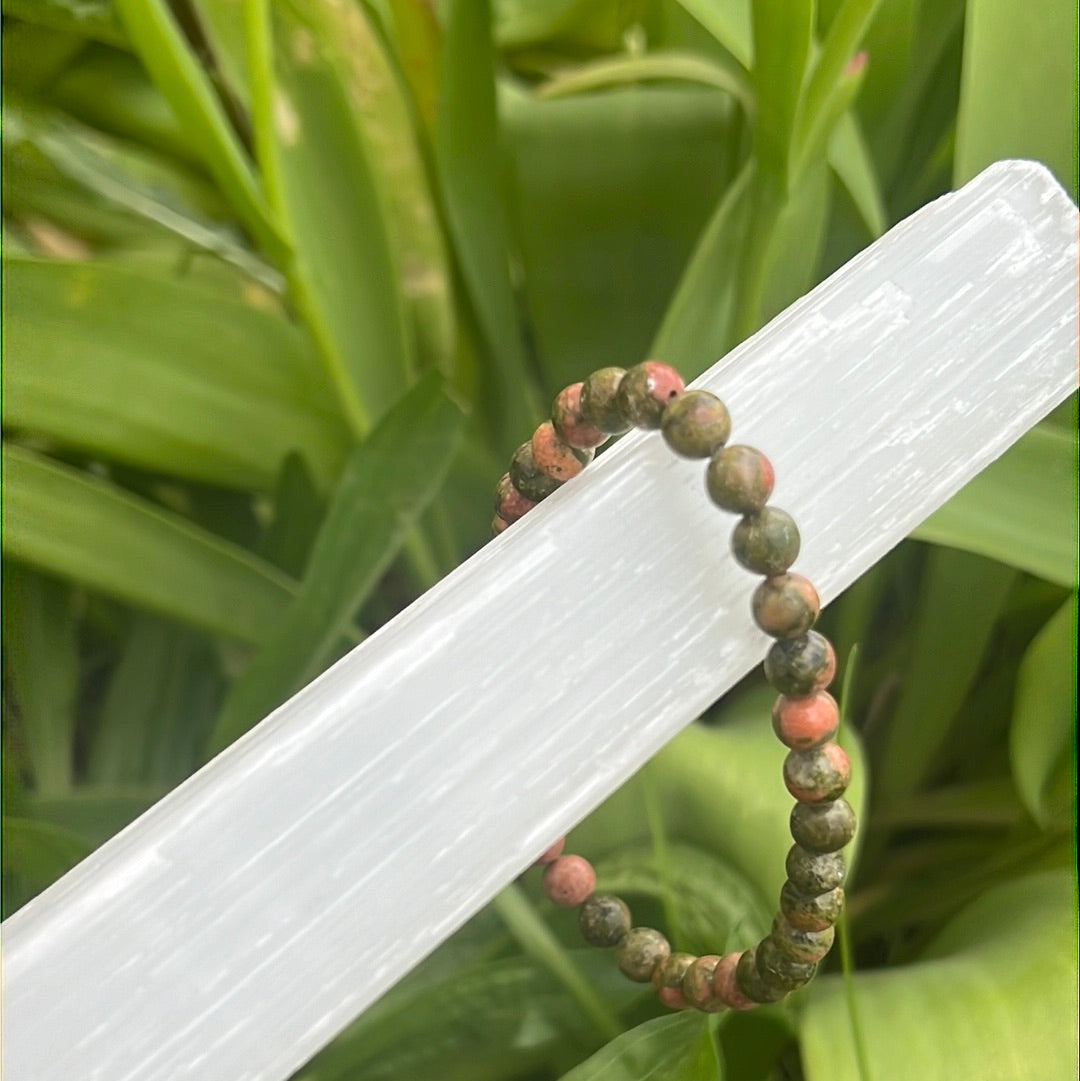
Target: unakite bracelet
[[800, 665]]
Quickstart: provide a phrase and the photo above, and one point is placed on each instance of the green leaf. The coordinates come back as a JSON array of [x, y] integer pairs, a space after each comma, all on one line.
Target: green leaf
[[1020, 510], [676, 1048], [993, 998], [960, 600], [94, 814], [298, 512], [1044, 719], [322, 185], [782, 35], [187, 87], [35, 855], [728, 22], [616, 71], [697, 326], [94, 19], [849, 158], [1019, 71], [42, 670], [77, 526], [469, 169], [820, 104], [158, 707], [147, 370], [386, 483]]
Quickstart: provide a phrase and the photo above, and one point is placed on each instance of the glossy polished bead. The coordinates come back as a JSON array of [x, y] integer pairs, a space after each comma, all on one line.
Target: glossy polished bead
[[823, 827], [645, 392], [667, 979], [726, 985], [697, 985], [808, 912], [821, 774], [553, 457], [785, 606], [801, 945], [750, 983], [800, 666], [804, 723], [766, 542], [570, 424], [779, 972], [740, 479], [604, 920], [528, 478], [815, 872], [569, 881], [510, 504], [696, 424], [599, 401], [640, 951]]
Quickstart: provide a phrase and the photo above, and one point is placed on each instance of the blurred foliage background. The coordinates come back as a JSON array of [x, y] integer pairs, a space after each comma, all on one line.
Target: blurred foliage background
[[285, 283]]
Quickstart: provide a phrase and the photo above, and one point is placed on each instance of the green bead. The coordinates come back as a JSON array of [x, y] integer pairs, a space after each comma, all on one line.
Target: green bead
[[697, 985], [646, 391], [785, 606], [696, 424], [672, 971], [527, 476], [823, 827], [800, 666], [810, 912], [749, 982], [801, 945], [766, 542], [604, 920], [739, 479], [640, 951], [779, 972], [599, 401], [815, 872]]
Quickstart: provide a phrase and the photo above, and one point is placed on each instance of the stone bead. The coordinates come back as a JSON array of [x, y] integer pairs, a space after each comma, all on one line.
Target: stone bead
[[553, 457], [510, 504], [640, 951], [726, 985], [604, 920], [740, 479], [805, 723], [821, 774], [697, 985], [808, 912], [779, 972], [766, 542], [551, 853], [800, 945], [498, 525], [823, 827], [570, 424], [785, 606], [696, 424], [815, 872], [528, 478], [569, 881], [599, 404], [800, 666], [750, 983], [667, 979], [645, 391]]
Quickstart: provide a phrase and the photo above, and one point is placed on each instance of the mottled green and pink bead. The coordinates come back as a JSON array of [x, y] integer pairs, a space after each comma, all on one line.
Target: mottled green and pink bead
[[785, 606], [568, 421], [740, 479], [766, 542], [640, 951], [645, 392], [696, 424]]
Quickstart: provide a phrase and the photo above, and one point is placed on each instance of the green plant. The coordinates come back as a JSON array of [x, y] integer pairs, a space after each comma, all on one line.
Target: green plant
[[261, 260]]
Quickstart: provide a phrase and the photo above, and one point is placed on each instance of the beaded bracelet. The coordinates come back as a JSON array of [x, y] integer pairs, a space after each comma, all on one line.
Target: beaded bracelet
[[800, 665]]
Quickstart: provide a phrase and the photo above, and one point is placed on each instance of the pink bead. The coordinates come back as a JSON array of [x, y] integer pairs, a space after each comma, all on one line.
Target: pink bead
[[828, 783], [803, 723], [725, 986], [510, 504], [665, 382], [498, 525], [568, 422], [829, 674], [550, 855], [555, 458], [569, 881], [672, 997]]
